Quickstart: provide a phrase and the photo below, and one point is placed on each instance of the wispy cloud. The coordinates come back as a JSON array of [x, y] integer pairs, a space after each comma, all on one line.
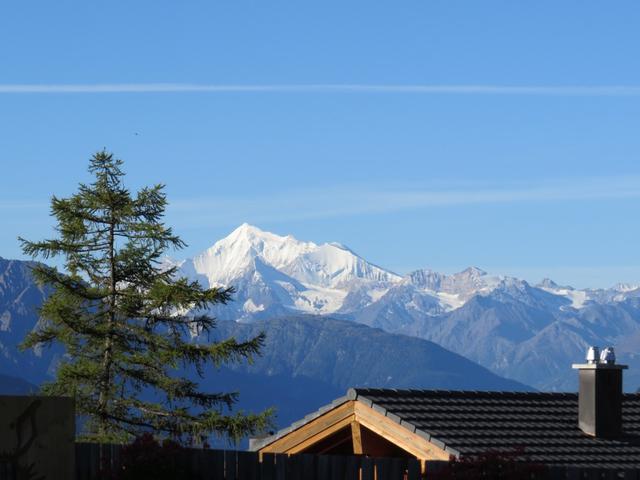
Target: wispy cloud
[[353, 200], [567, 90], [359, 199]]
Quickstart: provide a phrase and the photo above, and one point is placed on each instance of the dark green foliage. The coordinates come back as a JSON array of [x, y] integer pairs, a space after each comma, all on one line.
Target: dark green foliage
[[125, 321]]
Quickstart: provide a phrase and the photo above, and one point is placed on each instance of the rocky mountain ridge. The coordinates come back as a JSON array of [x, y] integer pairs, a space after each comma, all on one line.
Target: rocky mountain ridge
[[502, 322], [530, 333], [306, 361]]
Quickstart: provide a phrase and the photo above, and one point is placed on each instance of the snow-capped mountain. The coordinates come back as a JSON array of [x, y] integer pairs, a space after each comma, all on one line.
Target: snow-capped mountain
[[531, 333], [280, 274], [275, 274], [305, 277], [453, 291], [305, 358], [579, 298], [329, 265]]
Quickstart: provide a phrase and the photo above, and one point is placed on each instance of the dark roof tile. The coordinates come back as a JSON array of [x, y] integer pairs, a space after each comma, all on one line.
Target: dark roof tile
[[544, 424]]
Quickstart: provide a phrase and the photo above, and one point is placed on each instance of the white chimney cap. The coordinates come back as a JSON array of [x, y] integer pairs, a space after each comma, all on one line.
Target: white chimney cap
[[608, 356], [593, 355]]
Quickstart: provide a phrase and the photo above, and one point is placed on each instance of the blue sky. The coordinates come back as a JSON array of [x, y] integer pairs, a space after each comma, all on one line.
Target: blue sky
[[434, 134]]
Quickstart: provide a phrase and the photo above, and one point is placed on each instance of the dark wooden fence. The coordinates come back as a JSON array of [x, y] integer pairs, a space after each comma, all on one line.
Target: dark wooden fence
[[436, 470], [7, 470], [200, 464], [560, 473]]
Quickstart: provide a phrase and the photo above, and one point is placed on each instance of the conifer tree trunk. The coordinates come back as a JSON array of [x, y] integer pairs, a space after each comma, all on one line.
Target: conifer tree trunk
[[106, 358]]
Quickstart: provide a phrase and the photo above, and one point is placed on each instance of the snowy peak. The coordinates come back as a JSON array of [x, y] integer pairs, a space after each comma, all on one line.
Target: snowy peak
[[470, 281], [471, 273], [456, 289], [335, 267], [425, 279], [328, 265], [548, 284], [581, 298], [281, 273], [310, 277], [625, 287], [274, 248], [234, 253]]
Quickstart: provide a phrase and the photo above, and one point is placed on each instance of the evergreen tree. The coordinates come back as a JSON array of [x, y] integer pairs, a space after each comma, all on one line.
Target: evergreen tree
[[125, 320]]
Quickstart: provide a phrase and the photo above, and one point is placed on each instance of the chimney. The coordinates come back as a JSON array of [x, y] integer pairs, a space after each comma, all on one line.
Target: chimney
[[600, 394]]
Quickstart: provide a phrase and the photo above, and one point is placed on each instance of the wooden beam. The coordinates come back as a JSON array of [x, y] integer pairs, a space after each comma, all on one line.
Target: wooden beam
[[308, 442], [397, 434], [314, 430], [356, 437]]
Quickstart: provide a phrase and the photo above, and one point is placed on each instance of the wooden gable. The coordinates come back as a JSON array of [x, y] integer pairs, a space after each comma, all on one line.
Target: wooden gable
[[355, 428]]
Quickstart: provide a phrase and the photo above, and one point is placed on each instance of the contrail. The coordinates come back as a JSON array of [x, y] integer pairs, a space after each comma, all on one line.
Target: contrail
[[540, 90]]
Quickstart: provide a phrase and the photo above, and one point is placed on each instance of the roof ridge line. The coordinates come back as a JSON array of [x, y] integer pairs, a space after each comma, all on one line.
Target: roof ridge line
[[442, 391]]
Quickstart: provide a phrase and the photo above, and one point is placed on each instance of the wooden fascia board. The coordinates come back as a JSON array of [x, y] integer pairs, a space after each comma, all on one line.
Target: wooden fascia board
[[315, 430], [300, 447], [397, 434], [345, 415]]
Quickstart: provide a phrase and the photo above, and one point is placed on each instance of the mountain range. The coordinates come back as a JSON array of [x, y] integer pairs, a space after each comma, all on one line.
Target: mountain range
[[531, 333], [306, 362], [20, 298], [525, 332]]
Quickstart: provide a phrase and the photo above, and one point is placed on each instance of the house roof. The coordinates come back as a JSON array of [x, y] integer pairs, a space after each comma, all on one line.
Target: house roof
[[468, 423]]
